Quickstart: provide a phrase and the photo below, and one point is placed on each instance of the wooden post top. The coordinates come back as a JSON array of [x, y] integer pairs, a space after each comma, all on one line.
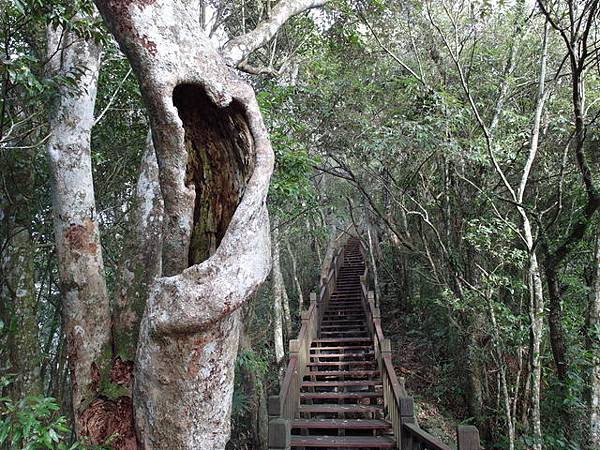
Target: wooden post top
[[467, 437]]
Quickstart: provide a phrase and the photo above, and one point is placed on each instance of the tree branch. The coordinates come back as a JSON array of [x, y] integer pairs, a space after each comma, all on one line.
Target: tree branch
[[237, 49]]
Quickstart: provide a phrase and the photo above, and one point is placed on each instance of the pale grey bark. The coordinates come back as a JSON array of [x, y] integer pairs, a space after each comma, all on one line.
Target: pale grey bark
[[536, 310], [215, 161], [278, 289], [295, 276], [593, 348], [86, 312], [237, 49], [18, 298], [141, 258]]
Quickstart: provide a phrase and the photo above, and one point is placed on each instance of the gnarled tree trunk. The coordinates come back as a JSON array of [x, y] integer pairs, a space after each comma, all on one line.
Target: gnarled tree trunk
[[214, 167]]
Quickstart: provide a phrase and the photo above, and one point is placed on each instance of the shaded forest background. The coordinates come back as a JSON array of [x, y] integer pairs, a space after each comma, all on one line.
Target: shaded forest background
[[460, 137]]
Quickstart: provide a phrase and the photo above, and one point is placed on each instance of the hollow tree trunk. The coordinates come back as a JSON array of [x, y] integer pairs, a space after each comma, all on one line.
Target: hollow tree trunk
[[214, 166], [86, 311]]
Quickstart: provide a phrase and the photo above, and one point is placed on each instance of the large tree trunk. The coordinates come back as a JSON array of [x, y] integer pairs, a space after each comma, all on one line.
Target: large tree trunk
[[214, 166], [86, 311]]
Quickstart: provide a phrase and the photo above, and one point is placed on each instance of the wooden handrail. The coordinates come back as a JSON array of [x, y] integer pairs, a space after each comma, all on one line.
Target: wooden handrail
[[284, 407], [399, 406]]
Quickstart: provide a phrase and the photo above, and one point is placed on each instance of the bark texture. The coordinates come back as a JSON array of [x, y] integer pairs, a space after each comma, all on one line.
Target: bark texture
[[141, 263], [214, 163], [278, 300], [594, 350], [19, 349], [86, 309], [18, 300]]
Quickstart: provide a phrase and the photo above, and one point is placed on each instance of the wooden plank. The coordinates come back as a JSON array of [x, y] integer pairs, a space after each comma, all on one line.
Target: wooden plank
[[341, 355], [342, 347], [341, 383], [340, 395], [343, 441], [325, 408], [341, 363], [344, 373], [352, 424]]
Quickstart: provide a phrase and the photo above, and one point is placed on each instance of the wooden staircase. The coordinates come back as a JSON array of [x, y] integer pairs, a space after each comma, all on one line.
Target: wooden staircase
[[340, 389], [341, 399]]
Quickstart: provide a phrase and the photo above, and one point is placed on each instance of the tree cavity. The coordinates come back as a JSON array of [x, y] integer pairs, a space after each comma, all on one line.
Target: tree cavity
[[221, 158]]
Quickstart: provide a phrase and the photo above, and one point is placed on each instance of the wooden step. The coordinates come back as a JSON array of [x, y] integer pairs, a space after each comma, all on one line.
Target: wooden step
[[342, 321], [340, 395], [343, 315], [342, 373], [343, 441], [348, 333], [341, 363], [356, 309], [347, 339], [340, 383], [333, 424], [340, 409], [346, 347], [342, 355]]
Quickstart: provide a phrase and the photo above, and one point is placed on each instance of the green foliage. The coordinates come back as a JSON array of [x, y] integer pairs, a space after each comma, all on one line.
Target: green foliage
[[32, 423]]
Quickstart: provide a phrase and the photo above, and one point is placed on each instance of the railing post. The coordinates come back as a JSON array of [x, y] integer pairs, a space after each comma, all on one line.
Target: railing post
[[372, 298], [294, 345], [467, 437], [376, 314], [274, 405], [279, 434], [406, 408], [313, 298], [386, 347]]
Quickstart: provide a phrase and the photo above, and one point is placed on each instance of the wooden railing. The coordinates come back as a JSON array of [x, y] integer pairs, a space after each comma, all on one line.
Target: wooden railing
[[284, 407], [399, 407]]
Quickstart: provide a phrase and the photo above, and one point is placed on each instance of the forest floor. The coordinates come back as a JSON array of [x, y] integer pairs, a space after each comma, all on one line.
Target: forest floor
[[421, 369]]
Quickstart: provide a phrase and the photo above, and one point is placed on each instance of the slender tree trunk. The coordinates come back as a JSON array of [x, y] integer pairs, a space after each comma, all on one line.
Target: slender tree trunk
[[141, 261], [295, 276], [18, 304], [593, 348], [254, 389], [278, 290], [20, 352], [279, 281], [500, 361], [536, 317], [86, 312]]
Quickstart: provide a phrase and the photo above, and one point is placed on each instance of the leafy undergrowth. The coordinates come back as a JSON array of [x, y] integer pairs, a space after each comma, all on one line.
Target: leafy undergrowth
[[424, 372]]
